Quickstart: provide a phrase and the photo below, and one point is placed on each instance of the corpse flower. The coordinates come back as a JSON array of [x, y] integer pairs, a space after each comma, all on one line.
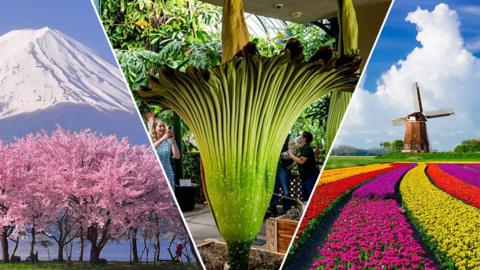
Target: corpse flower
[[240, 113]]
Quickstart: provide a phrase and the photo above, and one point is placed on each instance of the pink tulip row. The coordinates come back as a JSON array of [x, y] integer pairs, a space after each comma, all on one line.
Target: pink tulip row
[[466, 174], [384, 185], [371, 233]]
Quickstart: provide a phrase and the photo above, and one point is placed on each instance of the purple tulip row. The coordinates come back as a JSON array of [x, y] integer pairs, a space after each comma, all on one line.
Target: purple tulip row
[[466, 174], [371, 233], [474, 166], [384, 185]]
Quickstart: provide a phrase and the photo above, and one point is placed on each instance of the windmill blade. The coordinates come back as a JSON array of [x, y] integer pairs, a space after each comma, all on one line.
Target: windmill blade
[[417, 100], [399, 121], [439, 113]]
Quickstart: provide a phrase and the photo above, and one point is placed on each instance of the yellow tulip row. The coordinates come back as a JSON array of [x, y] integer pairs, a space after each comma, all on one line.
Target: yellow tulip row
[[451, 224], [333, 175]]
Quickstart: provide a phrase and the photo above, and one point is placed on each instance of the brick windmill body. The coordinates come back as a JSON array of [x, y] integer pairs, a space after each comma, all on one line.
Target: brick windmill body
[[416, 136]]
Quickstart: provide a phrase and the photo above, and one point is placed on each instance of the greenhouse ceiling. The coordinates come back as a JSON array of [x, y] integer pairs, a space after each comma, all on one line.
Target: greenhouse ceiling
[[299, 11]]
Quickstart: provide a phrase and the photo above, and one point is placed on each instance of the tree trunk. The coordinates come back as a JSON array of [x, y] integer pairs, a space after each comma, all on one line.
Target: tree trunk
[[170, 247], [6, 258], [80, 258], [32, 246], [94, 252], [61, 245], [134, 246], [92, 235], [16, 241], [157, 247], [96, 243]]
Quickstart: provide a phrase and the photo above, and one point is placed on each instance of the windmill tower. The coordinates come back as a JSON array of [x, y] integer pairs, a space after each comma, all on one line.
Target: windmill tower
[[416, 137]]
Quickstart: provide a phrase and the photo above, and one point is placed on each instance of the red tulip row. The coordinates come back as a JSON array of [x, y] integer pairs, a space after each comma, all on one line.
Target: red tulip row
[[454, 186]]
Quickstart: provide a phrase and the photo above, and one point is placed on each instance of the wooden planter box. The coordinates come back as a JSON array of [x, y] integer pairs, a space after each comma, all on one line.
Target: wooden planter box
[[214, 256], [280, 231]]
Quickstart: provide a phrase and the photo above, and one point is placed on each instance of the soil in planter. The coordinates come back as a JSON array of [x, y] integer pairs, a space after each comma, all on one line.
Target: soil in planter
[[214, 257]]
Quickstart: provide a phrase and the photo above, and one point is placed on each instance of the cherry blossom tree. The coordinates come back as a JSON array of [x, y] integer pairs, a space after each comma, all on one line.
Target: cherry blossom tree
[[6, 173], [67, 185], [31, 209], [17, 168], [110, 186]]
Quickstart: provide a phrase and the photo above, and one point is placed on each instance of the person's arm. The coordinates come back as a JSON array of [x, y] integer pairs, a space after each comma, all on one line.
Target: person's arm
[[299, 160], [159, 141], [175, 150], [150, 121]]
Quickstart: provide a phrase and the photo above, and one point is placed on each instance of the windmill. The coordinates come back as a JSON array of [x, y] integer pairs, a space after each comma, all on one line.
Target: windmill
[[416, 137]]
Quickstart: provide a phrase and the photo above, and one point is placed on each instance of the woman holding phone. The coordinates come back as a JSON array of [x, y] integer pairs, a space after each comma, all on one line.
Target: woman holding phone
[[164, 144]]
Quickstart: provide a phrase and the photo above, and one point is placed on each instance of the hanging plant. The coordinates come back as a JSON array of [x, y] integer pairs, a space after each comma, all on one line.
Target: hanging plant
[[240, 113]]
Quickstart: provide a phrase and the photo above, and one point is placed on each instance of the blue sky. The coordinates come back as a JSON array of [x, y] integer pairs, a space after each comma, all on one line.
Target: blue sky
[[76, 18], [435, 43], [398, 37]]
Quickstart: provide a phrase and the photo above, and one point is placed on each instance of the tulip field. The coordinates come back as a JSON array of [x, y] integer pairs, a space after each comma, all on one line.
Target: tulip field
[[392, 216]]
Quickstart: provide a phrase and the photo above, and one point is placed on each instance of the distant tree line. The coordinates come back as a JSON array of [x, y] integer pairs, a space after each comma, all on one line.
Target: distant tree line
[[392, 146], [468, 146], [346, 150]]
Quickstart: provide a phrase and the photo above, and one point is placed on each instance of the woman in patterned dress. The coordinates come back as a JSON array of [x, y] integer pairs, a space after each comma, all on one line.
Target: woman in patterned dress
[[165, 146]]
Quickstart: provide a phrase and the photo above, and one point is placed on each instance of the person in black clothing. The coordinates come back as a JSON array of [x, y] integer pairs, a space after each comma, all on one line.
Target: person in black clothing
[[282, 180], [307, 166]]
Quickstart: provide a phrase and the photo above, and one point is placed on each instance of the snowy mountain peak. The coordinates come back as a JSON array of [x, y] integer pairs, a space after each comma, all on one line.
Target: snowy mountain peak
[[40, 68]]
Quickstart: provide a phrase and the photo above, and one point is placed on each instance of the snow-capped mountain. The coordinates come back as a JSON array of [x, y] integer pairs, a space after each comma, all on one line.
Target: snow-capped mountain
[[43, 72]]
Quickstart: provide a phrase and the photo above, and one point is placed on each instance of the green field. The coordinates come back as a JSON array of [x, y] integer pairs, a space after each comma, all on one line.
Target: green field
[[88, 266], [334, 162], [350, 161]]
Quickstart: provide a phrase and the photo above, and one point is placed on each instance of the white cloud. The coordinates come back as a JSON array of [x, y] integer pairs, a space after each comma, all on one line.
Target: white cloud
[[449, 76]]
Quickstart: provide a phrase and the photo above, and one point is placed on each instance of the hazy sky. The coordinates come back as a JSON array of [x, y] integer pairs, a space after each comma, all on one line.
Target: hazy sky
[[436, 43], [75, 18]]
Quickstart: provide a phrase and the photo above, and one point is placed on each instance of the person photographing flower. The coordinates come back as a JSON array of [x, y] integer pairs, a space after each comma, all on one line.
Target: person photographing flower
[[164, 144], [307, 166]]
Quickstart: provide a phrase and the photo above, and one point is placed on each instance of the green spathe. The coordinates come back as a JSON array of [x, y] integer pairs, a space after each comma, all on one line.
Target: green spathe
[[347, 44], [240, 113]]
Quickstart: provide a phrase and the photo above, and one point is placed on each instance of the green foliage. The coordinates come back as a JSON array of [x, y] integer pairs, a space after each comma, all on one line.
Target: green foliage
[[314, 120], [311, 36], [466, 146], [397, 146], [386, 145], [191, 168], [392, 146], [151, 24], [148, 35]]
